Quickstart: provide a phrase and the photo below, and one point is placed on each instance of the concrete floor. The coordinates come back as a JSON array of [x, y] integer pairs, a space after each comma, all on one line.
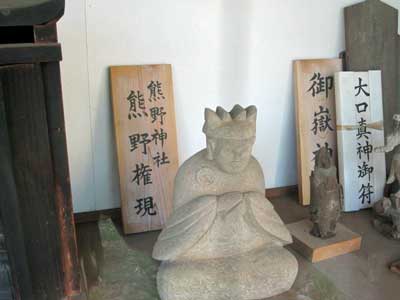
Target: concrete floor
[[130, 273]]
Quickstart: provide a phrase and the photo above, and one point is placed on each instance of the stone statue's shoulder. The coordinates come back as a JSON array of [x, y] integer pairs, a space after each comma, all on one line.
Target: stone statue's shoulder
[[255, 172], [195, 176], [255, 166], [196, 170]]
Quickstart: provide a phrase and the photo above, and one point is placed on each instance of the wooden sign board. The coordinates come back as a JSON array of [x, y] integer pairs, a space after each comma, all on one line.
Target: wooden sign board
[[145, 130], [315, 115], [359, 118], [373, 43]]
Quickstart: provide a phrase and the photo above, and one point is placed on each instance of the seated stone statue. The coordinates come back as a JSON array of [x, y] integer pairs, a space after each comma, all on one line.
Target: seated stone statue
[[392, 143], [224, 239], [388, 208]]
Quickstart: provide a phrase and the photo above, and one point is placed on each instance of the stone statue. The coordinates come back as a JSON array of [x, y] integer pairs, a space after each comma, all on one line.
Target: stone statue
[[326, 196], [388, 221], [224, 239], [388, 208], [392, 141]]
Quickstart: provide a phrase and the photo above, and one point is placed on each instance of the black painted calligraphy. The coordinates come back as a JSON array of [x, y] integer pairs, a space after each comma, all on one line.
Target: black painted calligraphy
[[365, 193], [155, 89], [145, 206], [142, 174], [161, 159], [360, 88], [320, 84], [157, 113], [137, 106], [322, 121]]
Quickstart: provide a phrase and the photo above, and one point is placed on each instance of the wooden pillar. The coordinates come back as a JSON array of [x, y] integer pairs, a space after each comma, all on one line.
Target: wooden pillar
[[36, 205]]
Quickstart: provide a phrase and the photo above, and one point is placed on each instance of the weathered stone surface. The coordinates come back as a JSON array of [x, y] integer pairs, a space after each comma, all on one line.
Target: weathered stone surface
[[224, 240], [326, 196], [388, 208], [255, 275]]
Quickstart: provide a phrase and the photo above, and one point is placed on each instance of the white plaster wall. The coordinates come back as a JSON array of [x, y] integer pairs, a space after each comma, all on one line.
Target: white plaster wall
[[222, 52]]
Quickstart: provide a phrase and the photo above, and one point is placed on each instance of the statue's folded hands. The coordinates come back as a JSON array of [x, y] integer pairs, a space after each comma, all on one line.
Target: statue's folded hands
[[228, 201], [185, 227]]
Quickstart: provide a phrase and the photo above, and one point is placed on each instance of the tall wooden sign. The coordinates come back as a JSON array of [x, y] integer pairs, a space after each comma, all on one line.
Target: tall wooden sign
[[315, 115], [373, 43], [360, 130], [144, 118]]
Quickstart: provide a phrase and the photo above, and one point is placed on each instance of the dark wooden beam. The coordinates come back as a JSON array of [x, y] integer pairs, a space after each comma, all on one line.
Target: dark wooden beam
[[58, 147], [29, 53], [45, 33], [30, 12], [25, 108]]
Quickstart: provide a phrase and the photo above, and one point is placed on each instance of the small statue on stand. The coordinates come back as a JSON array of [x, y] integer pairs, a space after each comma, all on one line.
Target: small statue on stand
[[389, 211], [326, 196], [224, 239], [388, 208]]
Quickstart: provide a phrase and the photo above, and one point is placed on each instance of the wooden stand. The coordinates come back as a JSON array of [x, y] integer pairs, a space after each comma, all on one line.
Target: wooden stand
[[316, 249]]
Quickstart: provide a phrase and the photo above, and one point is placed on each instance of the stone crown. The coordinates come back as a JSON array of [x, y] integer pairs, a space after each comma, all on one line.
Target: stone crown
[[239, 123]]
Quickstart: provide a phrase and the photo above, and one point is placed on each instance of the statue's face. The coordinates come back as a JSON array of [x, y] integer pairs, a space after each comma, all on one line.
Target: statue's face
[[232, 156]]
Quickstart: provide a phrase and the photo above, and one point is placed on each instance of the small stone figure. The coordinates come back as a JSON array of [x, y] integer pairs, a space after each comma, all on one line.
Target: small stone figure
[[388, 208], [395, 267], [389, 211], [224, 239], [392, 141], [326, 196]]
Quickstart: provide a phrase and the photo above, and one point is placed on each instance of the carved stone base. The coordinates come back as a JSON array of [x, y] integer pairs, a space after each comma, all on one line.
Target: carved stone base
[[256, 275]]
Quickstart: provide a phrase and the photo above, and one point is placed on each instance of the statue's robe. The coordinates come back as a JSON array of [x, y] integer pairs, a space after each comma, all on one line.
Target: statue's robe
[[206, 226]]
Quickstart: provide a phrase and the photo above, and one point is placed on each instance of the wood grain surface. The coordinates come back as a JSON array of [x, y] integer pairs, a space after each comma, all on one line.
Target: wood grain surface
[[146, 202], [309, 99]]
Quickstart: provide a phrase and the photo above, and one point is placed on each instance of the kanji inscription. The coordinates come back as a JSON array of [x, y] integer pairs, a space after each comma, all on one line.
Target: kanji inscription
[[145, 130], [315, 115], [360, 130]]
